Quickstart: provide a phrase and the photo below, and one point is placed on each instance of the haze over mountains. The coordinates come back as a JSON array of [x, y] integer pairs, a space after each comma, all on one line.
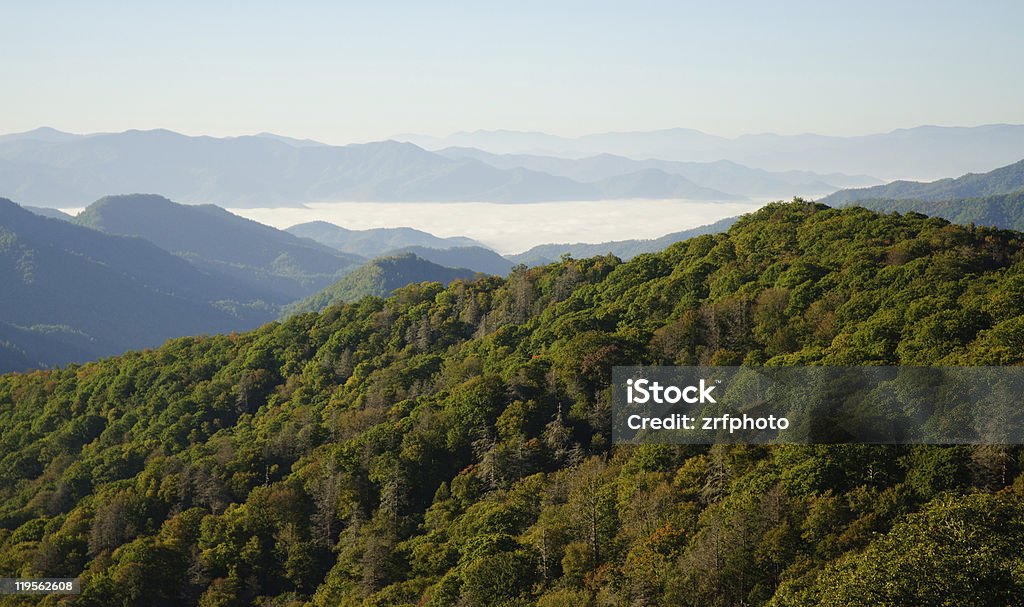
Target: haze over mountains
[[923, 152], [723, 175], [264, 171], [49, 168]]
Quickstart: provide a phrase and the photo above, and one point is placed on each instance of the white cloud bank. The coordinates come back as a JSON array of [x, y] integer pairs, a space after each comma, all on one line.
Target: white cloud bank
[[513, 228]]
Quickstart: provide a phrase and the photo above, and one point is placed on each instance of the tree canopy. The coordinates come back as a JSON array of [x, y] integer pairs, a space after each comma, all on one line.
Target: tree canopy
[[451, 445]]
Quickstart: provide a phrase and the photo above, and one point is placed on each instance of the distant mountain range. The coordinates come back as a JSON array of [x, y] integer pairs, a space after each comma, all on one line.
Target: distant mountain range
[[999, 181], [48, 168], [52, 170], [379, 278], [722, 175], [924, 152]]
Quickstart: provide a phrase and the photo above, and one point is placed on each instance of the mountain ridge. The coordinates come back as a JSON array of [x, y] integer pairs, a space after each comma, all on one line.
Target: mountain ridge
[[723, 175], [922, 152], [476, 258], [211, 237], [1001, 180], [374, 241], [260, 171], [70, 291], [1004, 211]]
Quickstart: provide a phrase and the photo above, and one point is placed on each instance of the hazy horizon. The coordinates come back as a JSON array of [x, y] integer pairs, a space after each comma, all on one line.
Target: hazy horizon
[[469, 131], [340, 73]]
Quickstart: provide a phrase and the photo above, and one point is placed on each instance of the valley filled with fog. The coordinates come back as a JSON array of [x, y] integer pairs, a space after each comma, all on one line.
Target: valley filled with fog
[[513, 228]]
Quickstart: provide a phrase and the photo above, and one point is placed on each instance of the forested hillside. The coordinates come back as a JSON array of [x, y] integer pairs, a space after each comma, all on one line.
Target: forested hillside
[[1001, 211], [379, 278], [1003, 180], [284, 266], [69, 293], [450, 446]]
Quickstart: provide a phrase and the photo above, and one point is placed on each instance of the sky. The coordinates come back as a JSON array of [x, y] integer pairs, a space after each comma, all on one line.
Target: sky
[[343, 72]]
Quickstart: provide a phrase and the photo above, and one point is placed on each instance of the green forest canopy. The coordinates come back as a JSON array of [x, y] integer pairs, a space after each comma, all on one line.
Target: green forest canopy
[[1002, 180], [1000, 210], [450, 446]]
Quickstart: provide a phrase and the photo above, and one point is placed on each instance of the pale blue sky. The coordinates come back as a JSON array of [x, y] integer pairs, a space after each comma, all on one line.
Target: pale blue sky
[[343, 71]]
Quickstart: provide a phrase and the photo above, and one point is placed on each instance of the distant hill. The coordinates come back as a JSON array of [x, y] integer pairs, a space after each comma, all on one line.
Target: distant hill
[[299, 143], [623, 249], [283, 265], [51, 213], [478, 259], [43, 133], [376, 241], [1000, 210], [379, 278], [655, 183], [71, 293], [923, 152], [722, 175], [1000, 181]]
